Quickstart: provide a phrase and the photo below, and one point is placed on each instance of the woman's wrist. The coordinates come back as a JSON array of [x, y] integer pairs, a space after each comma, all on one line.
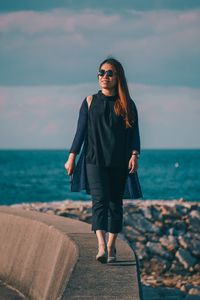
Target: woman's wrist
[[72, 155]]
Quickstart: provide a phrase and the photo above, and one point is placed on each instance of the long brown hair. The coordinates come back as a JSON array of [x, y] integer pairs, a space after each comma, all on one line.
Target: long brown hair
[[123, 105]]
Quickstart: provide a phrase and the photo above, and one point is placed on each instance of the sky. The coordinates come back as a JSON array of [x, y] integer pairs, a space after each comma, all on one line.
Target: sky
[[49, 56]]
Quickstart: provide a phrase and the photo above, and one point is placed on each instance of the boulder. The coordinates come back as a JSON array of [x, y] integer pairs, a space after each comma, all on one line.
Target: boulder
[[185, 258], [140, 223], [169, 242], [194, 220], [157, 249]]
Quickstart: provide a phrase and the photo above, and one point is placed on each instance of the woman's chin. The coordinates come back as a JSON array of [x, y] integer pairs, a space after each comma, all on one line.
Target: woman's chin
[[105, 85]]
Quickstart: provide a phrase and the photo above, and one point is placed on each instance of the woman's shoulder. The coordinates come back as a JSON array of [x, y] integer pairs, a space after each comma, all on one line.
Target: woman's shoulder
[[89, 99], [132, 103]]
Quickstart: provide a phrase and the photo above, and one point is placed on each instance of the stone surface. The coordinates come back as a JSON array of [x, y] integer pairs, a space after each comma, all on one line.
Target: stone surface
[[194, 291], [169, 242], [185, 258], [194, 220], [140, 223], [157, 249]]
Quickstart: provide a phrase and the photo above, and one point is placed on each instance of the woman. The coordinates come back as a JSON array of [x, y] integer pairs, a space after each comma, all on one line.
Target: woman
[[107, 167]]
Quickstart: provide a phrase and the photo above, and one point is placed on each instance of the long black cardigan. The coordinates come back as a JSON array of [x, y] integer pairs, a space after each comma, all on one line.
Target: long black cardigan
[[79, 180]]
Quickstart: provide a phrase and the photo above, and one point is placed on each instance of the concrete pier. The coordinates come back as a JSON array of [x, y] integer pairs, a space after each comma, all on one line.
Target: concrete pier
[[47, 257]]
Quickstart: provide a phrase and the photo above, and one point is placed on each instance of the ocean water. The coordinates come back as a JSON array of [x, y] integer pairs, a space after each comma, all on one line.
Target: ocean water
[[39, 175]]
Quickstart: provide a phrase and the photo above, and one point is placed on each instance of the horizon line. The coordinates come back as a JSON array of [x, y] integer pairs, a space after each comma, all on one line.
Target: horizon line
[[67, 149]]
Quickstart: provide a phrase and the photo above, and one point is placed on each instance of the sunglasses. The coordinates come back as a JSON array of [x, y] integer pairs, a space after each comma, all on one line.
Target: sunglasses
[[102, 72]]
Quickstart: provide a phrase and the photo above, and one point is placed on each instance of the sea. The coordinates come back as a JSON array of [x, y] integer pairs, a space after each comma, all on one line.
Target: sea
[[39, 176]]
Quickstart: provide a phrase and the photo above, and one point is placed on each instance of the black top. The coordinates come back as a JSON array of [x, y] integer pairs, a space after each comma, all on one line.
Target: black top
[[80, 138], [79, 180], [107, 135]]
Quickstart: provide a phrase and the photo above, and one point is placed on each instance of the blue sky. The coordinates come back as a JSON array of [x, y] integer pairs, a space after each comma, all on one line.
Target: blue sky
[[50, 52]]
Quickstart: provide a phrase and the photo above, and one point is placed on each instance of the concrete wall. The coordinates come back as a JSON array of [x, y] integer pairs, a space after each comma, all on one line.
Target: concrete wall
[[36, 256]]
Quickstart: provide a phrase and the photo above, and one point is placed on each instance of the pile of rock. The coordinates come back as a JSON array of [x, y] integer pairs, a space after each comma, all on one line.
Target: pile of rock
[[166, 238], [164, 234]]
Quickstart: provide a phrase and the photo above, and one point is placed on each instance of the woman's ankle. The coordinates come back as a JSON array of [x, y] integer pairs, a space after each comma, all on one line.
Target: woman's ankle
[[102, 246], [111, 249], [111, 246]]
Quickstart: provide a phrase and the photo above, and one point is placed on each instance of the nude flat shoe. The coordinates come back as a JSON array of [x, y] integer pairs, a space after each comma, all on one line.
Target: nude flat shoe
[[112, 259], [102, 256]]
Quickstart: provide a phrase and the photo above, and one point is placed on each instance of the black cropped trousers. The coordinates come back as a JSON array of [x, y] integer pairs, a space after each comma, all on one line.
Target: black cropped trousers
[[107, 187]]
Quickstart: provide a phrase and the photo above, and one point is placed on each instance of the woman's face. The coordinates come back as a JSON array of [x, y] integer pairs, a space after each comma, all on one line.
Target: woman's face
[[106, 81]]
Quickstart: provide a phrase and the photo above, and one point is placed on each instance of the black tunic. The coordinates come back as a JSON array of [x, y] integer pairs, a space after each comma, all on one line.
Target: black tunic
[[106, 134]]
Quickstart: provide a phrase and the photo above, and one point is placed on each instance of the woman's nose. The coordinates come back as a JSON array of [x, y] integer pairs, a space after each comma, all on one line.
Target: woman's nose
[[105, 75]]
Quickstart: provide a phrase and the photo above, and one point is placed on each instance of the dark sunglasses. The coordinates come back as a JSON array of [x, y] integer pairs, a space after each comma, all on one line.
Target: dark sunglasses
[[102, 72]]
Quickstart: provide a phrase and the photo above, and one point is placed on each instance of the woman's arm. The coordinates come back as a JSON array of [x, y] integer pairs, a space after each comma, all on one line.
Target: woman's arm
[[78, 139], [81, 129], [134, 132], [134, 138]]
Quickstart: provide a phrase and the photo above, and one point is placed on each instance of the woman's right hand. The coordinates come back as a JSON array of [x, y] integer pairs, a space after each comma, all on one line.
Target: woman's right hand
[[70, 164]]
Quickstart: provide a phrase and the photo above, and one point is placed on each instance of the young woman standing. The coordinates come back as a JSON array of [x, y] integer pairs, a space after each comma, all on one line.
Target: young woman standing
[[107, 167]]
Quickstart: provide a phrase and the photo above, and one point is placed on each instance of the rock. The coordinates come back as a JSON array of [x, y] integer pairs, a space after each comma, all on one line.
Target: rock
[[86, 217], [170, 212], [194, 291], [140, 252], [172, 231], [192, 244], [193, 235], [133, 235], [169, 242], [182, 288], [50, 212], [138, 222], [180, 226], [147, 212], [184, 242], [45, 209], [197, 268], [157, 249], [181, 209], [177, 268], [195, 248], [194, 220], [158, 224], [156, 213], [130, 209], [185, 258], [156, 266], [68, 215]]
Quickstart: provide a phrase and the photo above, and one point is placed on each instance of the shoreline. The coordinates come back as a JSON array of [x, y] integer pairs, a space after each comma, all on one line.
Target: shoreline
[[163, 233], [55, 203]]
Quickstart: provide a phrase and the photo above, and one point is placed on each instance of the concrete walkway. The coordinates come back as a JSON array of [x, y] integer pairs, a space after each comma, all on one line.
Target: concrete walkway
[[85, 278], [93, 280]]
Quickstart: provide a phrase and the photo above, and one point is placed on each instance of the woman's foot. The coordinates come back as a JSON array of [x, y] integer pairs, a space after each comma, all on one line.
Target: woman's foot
[[102, 254], [111, 254]]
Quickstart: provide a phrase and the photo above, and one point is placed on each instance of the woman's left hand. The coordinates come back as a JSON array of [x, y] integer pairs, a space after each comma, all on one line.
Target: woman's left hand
[[133, 164]]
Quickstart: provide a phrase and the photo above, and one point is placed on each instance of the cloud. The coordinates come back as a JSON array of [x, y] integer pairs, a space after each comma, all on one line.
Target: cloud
[[65, 47], [46, 117], [50, 129], [61, 20]]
